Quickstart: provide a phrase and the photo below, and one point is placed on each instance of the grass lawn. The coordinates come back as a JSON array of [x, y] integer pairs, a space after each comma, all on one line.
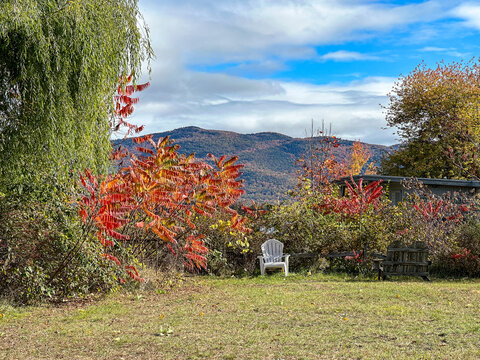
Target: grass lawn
[[316, 317]]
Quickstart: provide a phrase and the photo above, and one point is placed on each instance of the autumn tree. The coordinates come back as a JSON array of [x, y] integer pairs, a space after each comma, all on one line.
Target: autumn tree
[[436, 114], [324, 163], [318, 166], [162, 194], [357, 161]]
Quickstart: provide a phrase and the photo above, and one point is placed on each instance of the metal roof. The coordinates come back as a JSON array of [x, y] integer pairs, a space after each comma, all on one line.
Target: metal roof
[[425, 181]]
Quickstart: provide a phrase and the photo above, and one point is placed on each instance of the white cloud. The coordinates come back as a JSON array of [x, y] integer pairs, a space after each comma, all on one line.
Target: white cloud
[[435, 49], [205, 32], [262, 68], [448, 51], [260, 37], [343, 55], [225, 102], [470, 12]]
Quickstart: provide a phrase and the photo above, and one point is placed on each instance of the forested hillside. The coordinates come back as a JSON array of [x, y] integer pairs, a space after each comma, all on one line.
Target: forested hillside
[[269, 158]]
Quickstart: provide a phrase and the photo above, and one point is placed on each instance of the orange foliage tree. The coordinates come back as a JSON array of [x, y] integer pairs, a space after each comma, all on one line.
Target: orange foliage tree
[[161, 191], [357, 159], [322, 164]]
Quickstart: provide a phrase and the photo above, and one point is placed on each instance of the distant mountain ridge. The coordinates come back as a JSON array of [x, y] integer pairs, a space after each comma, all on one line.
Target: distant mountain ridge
[[269, 157]]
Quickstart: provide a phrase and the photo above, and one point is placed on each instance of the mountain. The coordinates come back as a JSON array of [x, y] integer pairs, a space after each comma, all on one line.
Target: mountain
[[269, 157]]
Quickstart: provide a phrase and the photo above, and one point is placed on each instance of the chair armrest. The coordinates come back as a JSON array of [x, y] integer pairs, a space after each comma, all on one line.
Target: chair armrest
[[261, 260]]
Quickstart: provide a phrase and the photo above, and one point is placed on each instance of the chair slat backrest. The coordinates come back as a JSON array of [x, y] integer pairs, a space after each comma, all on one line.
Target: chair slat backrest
[[406, 260], [272, 251]]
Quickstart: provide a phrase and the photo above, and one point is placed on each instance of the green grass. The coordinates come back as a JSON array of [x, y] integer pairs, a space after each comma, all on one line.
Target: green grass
[[317, 317]]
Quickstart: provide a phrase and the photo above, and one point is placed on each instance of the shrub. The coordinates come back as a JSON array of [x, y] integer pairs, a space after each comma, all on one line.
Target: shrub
[[36, 244], [303, 230], [330, 223], [464, 260], [232, 252]]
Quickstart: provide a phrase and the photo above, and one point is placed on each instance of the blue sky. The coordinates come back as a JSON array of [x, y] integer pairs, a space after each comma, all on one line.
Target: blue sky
[[252, 66]]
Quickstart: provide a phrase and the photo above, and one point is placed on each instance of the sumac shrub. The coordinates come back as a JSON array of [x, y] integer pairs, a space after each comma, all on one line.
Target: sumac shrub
[[464, 260], [153, 204]]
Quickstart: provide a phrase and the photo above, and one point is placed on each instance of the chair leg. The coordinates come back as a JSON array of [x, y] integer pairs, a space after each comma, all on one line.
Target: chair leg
[[262, 269]]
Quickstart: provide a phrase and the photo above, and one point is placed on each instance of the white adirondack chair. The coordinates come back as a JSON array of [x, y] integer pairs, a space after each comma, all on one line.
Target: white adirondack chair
[[272, 251]]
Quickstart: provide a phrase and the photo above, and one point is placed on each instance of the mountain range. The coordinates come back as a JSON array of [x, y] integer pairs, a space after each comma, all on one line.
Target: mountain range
[[270, 158]]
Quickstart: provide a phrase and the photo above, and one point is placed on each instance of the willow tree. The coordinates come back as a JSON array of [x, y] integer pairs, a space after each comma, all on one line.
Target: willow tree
[[436, 113], [60, 62]]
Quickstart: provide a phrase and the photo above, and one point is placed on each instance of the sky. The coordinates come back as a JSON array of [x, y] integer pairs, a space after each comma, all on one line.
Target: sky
[[255, 66]]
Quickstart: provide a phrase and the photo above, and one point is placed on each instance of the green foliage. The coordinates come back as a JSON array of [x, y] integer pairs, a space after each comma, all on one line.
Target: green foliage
[[297, 225], [230, 251], [448, 226], [60, 62], [436, 114], [36, 239], [305, 230], [59, 65]]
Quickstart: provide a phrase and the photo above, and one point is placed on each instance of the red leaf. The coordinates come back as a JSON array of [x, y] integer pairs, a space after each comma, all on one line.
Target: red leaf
[[116, 235], [142, 139], [171, 249], [129, 90], [142, 87], [111, 258]]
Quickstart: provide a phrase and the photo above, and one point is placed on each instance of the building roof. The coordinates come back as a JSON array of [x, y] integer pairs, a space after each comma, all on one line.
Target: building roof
[[425, 181]]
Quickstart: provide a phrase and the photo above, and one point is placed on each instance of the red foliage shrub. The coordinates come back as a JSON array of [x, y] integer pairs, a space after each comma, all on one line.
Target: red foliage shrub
[[160, 191]]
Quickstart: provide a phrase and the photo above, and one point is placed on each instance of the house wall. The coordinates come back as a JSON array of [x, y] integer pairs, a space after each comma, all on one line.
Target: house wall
[[396, 192], [438, 190]]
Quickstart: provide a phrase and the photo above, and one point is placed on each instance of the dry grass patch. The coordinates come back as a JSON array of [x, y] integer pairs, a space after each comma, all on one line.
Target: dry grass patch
[[318, 317]]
